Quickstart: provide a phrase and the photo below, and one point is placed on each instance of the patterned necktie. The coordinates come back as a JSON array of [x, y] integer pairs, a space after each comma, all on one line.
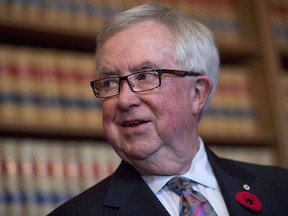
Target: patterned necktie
[[192, 203]]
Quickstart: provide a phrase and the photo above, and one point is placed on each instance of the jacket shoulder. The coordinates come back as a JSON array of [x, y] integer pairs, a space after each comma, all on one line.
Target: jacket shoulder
[[266, 173], [263, 170], [85, 203]]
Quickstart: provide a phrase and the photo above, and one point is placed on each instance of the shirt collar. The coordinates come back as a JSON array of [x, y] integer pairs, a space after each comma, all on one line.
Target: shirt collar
[[200, 171]]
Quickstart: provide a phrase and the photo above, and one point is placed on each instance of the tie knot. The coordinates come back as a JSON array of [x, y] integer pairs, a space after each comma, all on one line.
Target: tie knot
[[180, 184], [191, 202]]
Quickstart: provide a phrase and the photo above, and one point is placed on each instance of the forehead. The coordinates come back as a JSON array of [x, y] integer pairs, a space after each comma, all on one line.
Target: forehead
[[147, 41]]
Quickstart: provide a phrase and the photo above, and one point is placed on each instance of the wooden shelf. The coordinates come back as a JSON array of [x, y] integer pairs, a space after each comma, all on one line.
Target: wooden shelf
[[51, 132], [263, 139], [38, 37], [237, 53], [251, 47], [52, 28], [73, 133]]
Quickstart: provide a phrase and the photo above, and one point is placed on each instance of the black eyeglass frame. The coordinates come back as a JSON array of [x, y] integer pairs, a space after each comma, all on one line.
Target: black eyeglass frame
[[159, 71]]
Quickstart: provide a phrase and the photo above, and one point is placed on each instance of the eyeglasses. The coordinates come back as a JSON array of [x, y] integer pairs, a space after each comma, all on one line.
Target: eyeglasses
[[138, 81]]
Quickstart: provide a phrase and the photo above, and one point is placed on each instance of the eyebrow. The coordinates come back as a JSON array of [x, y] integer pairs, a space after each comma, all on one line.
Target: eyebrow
[[145, 65], [104, 71]]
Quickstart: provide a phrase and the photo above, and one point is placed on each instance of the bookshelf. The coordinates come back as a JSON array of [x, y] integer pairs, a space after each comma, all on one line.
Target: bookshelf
[[46, 100], [241, 45], [38, 174], [274, 54]]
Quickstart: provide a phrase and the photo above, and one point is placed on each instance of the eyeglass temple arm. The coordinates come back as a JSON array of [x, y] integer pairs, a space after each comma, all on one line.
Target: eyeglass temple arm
[[182, 73]]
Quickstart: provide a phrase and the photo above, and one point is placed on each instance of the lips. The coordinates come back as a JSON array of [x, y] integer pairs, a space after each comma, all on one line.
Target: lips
[[133, 123]]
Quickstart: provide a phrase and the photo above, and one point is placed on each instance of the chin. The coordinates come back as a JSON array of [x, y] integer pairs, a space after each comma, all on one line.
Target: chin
[[147, 168], [141, 150]]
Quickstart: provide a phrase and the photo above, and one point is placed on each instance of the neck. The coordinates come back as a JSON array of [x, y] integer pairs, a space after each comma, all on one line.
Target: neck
[[165, 163]]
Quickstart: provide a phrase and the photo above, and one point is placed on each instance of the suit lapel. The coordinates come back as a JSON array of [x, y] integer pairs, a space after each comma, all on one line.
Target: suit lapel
[[231, 179], [131, 195]]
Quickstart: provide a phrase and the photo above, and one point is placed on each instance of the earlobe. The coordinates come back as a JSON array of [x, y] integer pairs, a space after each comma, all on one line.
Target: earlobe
[[201, 91]]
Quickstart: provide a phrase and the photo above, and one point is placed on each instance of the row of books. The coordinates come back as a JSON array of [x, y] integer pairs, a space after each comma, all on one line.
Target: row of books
[[232, 111], [38, 174], [87, 15], [223, 17], [51, 88], [279, 19], [47, 87], [265, 155]]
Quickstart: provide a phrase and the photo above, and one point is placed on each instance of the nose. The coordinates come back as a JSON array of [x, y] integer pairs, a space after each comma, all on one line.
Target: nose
[[127, 98]]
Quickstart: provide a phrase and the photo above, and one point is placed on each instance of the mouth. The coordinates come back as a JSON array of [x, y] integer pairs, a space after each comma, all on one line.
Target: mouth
[[134, 123]]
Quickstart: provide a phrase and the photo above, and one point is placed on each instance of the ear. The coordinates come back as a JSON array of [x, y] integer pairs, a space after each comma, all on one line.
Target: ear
[[201, 90]]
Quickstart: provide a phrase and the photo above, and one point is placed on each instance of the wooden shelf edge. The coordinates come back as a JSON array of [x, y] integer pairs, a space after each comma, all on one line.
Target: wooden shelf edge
[[51, 132], [45, 28], [243, 46], [47, 39], [266, 139]]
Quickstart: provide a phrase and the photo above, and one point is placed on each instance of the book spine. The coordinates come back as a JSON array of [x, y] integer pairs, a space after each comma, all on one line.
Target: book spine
[[25, 86], [57, 173], [10, 180], [279, 15], [243, 115], [225, 21], [113, 159], [15, 10], [32, 12], [50, 106], [8, 96], [96, 13], [80, 14], [42, 177], [101, 162], [69, 90], [27, 174], [113, 7], [72, 168], [4, 9], [92, 115], [86, 160]]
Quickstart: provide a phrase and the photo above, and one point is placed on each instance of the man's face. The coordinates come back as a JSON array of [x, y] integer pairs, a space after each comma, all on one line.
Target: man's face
[[151, 129]]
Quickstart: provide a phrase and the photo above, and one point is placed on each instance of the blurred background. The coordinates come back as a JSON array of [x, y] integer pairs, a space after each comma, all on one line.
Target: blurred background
[[51, 139]]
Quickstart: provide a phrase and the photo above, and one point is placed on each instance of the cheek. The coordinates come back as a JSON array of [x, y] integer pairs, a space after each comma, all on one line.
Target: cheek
[[170, 115], [175, 110], [110, 130], [108, 112]]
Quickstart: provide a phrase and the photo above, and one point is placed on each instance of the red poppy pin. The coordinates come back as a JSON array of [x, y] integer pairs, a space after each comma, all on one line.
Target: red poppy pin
[[249, 200]]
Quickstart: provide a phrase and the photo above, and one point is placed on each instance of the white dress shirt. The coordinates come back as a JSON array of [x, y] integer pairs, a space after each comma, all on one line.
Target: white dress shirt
[[200, 172]]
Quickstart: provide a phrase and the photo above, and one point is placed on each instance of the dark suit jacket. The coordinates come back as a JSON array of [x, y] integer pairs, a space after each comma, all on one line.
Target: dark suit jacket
[[125, 193]]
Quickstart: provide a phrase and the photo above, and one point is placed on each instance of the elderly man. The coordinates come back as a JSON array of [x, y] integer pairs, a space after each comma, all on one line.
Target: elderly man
[[156, 71]]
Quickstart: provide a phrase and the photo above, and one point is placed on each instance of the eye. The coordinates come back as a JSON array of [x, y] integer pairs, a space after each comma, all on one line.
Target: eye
[[109, 83], [146, 76]]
